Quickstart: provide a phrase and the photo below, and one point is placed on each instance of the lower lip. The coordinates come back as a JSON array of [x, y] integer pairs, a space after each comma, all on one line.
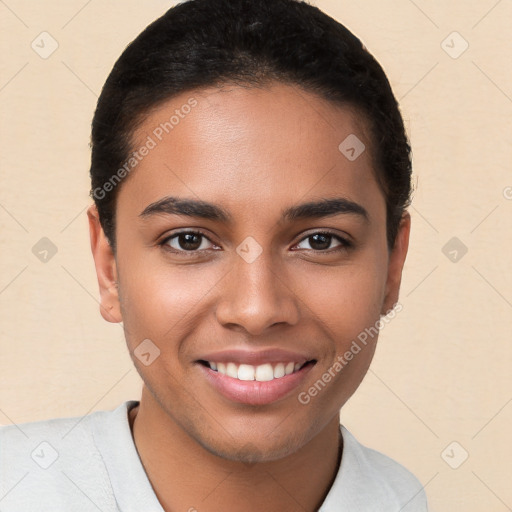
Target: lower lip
[[253, 392]]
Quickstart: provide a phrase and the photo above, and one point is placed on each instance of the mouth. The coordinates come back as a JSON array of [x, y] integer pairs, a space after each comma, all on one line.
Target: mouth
[[261, 373], [259, 384]]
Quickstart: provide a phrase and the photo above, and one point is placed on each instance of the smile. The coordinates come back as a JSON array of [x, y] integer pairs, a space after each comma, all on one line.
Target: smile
[[261, 373], [260, 384]]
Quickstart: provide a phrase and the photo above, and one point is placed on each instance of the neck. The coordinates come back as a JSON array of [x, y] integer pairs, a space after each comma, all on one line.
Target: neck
[[186, 476]]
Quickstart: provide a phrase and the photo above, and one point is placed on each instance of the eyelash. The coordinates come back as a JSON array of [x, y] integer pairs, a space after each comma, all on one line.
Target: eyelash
[[344, 243]]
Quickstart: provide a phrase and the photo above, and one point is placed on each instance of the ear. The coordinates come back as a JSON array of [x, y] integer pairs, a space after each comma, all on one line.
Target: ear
[[106, 269], [396, 264]]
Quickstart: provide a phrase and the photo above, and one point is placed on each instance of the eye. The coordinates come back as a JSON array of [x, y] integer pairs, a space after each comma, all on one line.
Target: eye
[[187, 241], [324, 241]]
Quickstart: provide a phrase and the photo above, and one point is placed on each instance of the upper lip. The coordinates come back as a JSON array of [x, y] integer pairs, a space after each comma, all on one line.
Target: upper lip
[[255, 357]]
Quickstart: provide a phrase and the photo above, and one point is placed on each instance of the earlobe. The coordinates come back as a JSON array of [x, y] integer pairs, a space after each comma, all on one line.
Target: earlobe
[[106, 268], [396, 263]]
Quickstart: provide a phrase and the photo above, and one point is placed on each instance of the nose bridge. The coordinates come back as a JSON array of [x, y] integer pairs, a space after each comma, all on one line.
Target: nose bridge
[[255, 296]]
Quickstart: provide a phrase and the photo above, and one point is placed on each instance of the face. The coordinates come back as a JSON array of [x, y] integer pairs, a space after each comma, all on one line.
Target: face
[[249, 244]]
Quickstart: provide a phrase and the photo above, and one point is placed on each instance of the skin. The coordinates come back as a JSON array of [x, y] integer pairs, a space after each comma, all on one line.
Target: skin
[[255, 152]]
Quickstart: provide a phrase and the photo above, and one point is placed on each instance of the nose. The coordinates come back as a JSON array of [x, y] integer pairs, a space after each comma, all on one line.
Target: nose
[[256, 296]]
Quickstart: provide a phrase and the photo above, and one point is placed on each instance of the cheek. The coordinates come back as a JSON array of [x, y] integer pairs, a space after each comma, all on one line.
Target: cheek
[[346, 305], [158, 301], [345, 300]]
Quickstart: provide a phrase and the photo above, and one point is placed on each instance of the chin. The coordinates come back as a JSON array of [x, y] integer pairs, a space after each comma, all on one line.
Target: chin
[[250, 453]]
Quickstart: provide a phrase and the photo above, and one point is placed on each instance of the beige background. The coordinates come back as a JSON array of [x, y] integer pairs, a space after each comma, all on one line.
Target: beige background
[[442, 372]]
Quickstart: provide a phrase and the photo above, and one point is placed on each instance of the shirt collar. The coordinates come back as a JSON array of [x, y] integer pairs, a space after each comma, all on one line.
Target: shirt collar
[[133, 490]]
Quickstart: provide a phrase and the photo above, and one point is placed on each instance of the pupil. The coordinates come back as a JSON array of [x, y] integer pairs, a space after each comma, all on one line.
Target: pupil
[[189, 241], [320, 241]]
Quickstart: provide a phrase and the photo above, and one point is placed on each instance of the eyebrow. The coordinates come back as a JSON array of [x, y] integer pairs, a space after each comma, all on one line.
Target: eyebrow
[[196, 208], [325, 208], [190, 207]]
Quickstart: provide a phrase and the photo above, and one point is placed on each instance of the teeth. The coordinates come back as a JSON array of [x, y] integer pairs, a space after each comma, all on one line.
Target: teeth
[[279, 370], [264, 372], [232, 370], [245, 372], [261, 373]]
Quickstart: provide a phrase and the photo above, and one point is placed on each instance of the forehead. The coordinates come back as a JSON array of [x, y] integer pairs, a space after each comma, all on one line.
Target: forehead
[[239, 145]]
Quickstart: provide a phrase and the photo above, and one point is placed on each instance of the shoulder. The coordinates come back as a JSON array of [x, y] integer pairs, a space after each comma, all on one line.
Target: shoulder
[[52, 461], [41, 442], [382, 468], [368, 480]]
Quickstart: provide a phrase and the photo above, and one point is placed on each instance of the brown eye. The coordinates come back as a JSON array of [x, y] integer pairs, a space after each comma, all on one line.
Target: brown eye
[[187, 241], [320, 242], [323, 242]]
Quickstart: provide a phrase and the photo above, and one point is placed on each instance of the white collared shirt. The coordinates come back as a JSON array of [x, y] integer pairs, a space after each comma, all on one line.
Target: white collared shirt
[[91, 463]]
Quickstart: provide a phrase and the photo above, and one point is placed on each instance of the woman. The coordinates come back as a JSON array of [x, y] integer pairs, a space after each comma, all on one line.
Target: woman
[[251, 176]]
